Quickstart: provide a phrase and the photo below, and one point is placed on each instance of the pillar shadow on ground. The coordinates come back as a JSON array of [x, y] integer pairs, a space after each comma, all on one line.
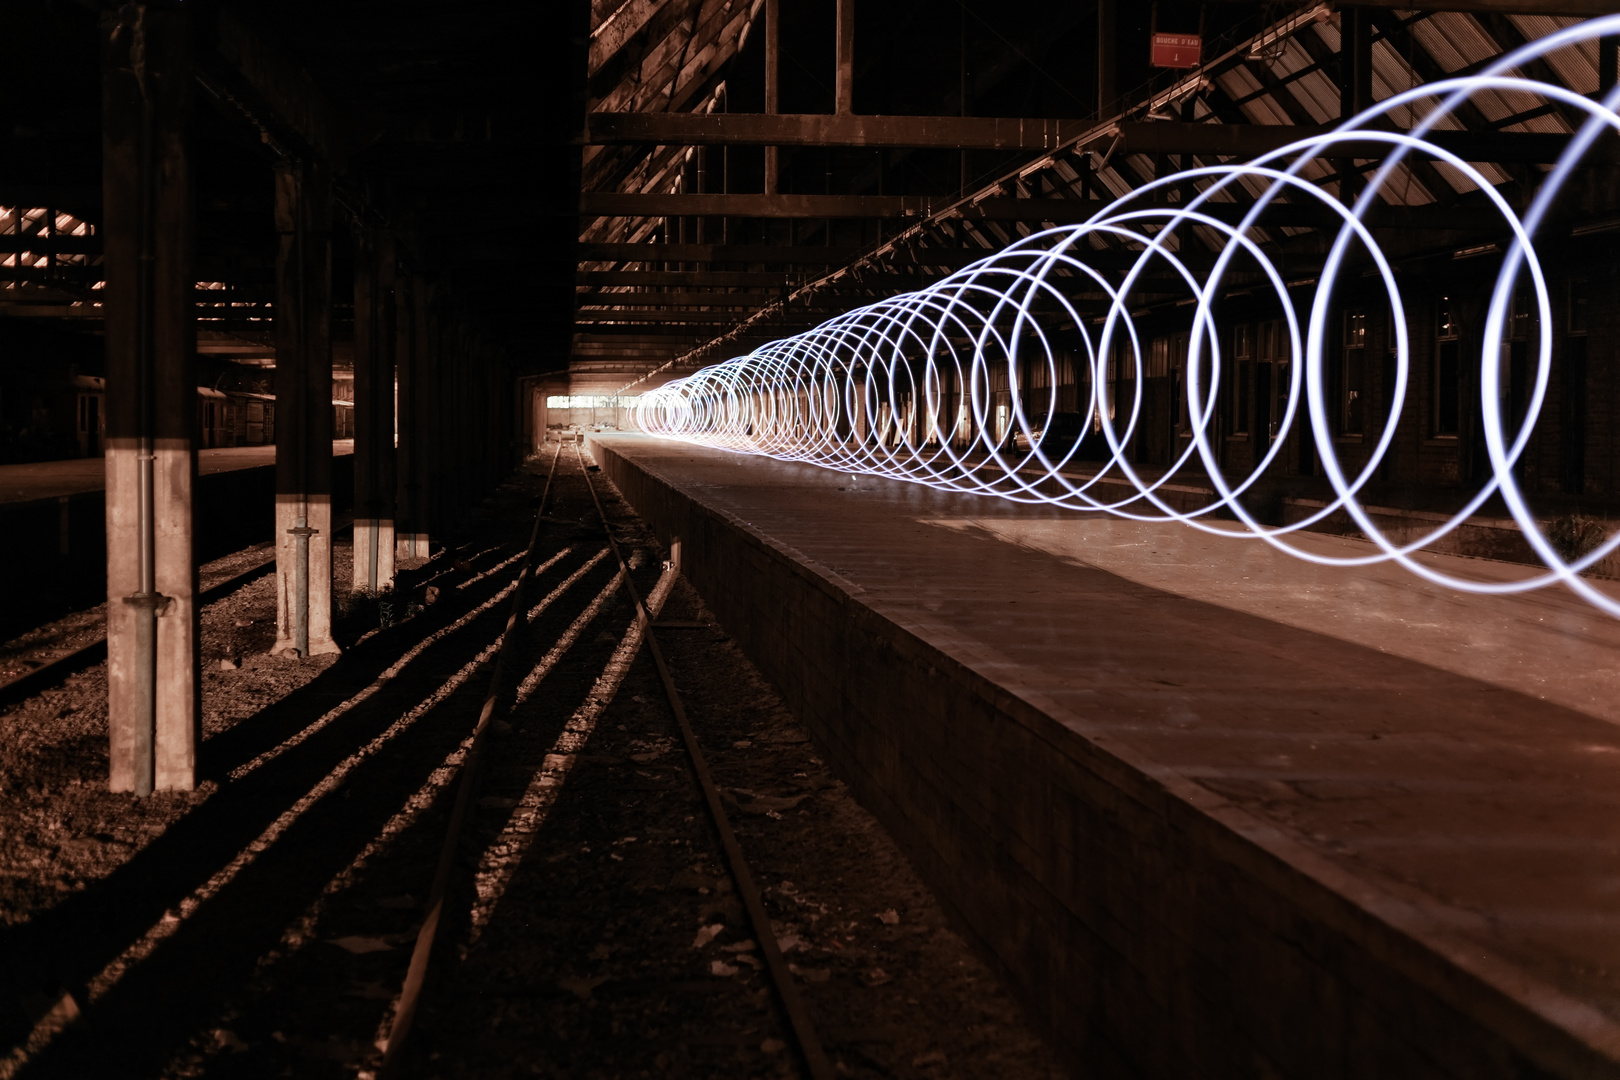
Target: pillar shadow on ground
[[161, 1000]]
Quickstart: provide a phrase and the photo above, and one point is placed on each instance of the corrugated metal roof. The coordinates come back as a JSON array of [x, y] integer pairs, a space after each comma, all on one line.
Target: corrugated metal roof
[[1440, 43]]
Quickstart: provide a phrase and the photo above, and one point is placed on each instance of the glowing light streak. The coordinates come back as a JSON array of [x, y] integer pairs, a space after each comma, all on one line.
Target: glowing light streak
[[933, 387]]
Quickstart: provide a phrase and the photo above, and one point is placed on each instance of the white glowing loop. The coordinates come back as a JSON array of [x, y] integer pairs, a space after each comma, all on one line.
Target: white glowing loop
[[925, 386]]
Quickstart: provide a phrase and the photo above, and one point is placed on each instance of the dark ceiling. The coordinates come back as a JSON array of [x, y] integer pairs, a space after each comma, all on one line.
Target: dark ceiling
[[455, 125]]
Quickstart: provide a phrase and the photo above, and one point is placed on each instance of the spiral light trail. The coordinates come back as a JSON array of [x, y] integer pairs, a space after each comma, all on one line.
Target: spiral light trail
[[907, 387]]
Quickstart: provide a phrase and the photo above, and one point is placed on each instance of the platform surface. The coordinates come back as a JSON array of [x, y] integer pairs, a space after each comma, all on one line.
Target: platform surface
[[53, 479], [1452, 759]]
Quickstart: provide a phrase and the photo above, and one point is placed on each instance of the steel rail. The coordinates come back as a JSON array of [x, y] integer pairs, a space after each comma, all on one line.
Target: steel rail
[[20, 686], [815, 1057], [427, 935]]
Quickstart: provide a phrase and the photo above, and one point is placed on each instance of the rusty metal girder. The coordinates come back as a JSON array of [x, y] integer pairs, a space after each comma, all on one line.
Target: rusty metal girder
[[760, 253], [1054, 211], [1003, 133]]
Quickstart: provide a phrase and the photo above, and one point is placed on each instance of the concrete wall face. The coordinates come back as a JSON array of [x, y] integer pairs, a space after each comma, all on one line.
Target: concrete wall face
[[1133, 913]]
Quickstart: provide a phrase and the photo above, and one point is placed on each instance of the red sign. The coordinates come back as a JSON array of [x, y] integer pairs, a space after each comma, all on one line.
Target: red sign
[[1177, 50]]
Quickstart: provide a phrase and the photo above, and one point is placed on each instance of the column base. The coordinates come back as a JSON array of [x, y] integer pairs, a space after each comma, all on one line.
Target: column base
[[316, 515], [386, 549], [411, 545]]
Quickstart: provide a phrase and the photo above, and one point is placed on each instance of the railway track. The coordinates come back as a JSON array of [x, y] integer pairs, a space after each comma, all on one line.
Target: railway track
[[47, 666], [641, 634], [508, 809]]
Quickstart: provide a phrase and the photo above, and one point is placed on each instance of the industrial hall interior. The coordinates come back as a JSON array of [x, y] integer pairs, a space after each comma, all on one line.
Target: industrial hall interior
[[825, 539]]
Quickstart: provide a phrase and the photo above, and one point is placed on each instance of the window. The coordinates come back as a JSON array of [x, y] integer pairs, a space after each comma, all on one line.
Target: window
[[590, 401], [1159, 358], [1273, 382], [1447, 371], [1445, 325], [1243, 355], [1179, 346], [1353, 374], [1578, 295], [1355, 329], [1516, 327]]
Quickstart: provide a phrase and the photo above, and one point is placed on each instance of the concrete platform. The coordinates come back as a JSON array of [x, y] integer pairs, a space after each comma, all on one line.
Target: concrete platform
[[53, 523], [54, 479], [1211, 810]]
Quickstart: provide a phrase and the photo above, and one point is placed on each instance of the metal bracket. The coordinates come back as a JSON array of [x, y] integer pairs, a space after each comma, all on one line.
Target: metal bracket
[[156, 603]]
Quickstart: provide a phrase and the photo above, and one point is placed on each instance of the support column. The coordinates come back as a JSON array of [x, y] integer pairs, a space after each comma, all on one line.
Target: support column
[[153, 689], [844, 87], [426, 398], [773, 25], [461, 477], [373, 410], [1107, 45], [410, 539], [1355, 84], [303, 411]]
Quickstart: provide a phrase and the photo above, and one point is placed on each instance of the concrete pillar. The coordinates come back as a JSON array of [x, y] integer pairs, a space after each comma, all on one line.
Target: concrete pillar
[[374, 314], [426, 397], [461, 478], [303, 411], [442, 442], [410, 536], [153, 690]]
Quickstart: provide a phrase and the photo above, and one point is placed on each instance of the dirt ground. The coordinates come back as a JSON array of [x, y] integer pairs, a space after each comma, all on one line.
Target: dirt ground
[[261, 925]]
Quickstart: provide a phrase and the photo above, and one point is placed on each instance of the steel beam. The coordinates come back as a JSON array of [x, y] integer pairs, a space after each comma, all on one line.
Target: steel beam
[[1107, 55], [742, 253], [1583, 9], [785, 255], [1054, 211], [716, 279], [282, 90], [773, 28], [844, 76], [1001, 133], [819, 129], [688, 279], [626, 204], [675, 321], [677, 299]]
